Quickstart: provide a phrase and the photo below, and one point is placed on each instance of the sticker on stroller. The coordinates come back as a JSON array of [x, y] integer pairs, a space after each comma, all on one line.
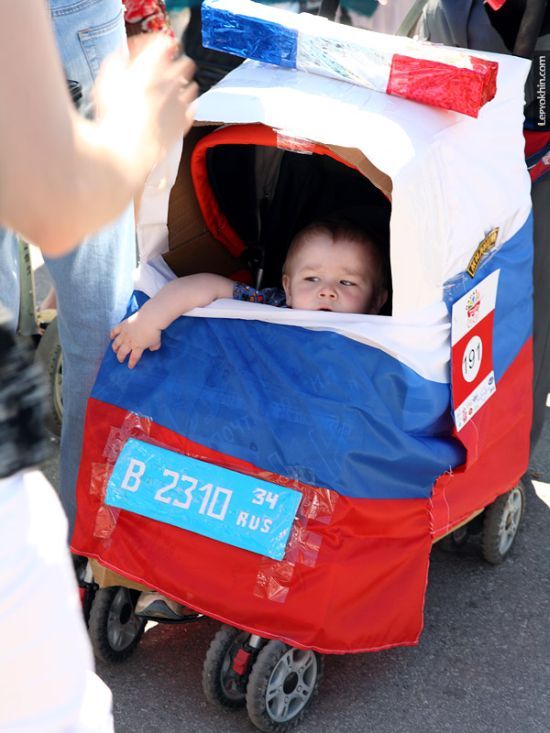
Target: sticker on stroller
[[472, 375], [210, 500], [484, 247]]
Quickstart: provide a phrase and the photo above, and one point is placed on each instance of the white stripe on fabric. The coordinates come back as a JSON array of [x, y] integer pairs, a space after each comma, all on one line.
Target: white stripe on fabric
[[420, 340], [341, 55]]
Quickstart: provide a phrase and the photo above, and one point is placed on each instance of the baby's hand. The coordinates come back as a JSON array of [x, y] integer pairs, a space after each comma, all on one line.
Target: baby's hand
[[133, 336]]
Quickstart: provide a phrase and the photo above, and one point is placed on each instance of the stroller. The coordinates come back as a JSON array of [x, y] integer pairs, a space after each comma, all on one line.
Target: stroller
[[286, 472]]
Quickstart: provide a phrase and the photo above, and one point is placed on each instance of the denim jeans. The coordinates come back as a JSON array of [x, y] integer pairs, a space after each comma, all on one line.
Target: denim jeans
[[94, 282], [9, 275]]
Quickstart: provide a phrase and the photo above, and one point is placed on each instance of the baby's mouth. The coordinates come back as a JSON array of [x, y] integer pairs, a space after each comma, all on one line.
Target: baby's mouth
[[328, 310]]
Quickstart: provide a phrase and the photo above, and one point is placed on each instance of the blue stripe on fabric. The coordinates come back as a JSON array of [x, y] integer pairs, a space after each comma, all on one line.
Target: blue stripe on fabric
[[252, 38], [514, 305], [313, 406]]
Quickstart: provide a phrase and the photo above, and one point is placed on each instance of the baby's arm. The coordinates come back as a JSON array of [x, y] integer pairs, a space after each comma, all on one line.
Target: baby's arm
[[142, 329]]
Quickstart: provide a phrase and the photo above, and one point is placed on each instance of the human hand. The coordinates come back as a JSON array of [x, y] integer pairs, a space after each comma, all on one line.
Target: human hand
[[133, 336], [145, 104]]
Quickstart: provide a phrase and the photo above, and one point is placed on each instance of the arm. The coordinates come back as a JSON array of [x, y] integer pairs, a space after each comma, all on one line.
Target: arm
[[62, 177], [142, 330], [150, 18]]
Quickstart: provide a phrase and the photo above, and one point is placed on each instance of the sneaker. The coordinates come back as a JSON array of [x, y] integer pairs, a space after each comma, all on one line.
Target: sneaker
[[151, 604]]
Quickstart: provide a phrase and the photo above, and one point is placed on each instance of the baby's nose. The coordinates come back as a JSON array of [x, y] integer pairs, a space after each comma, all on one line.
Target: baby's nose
[[327, 292]]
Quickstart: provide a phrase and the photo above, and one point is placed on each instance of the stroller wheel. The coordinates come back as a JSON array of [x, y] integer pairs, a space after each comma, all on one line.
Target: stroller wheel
[[114, 628], [501, 523], [221, 683], [282, 684], [454, 541]]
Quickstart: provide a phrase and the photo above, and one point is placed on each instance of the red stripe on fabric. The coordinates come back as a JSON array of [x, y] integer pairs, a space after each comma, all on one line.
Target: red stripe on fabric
[[216, 221], [497, 443], [540, 169], [363, 592], [442, 85], [535, 140]]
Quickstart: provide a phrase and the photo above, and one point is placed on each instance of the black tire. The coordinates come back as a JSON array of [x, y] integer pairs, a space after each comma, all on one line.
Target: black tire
[[49, 355], [282, 684], [500, 525], [221, 685], [454, 541], [114, 628], [88, 591]]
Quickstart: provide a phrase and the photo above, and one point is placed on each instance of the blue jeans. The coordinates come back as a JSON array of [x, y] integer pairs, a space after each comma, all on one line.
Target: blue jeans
[[94, 282], [9, 275]]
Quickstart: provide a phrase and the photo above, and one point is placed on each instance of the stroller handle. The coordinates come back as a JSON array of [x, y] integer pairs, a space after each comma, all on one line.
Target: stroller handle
[[328, 8], [530, 27]]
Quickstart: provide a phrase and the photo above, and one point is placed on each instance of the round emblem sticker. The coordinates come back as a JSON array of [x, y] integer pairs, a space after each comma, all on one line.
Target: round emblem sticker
[[471, 361]]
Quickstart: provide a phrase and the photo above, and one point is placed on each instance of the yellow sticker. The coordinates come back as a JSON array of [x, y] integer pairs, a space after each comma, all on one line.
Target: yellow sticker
[[485, 246]]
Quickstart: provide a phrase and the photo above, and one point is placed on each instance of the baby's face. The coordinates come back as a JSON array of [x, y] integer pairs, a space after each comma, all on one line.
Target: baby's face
[[333, 276]]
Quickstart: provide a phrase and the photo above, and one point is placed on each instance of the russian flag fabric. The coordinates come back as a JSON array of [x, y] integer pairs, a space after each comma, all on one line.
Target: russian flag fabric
[[434, 75], [361, 436], [356, 432]]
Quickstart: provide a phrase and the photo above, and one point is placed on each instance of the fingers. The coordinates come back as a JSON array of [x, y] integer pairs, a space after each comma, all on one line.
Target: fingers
[[135, 356], [189, 99], [187, 68], [121, 347], [136, 44], [121, 351], [107, 84], [118, 341], [188, 92], [125, 345], [156, 50]]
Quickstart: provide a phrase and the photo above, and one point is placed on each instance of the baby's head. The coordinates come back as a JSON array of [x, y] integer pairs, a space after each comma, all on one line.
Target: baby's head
[[334, 266]]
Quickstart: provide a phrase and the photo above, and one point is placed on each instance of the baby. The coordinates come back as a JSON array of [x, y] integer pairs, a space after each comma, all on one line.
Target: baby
[[330, 266]]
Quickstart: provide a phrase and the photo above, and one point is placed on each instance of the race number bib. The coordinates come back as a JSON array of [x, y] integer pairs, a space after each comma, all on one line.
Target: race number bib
[[216, 502], [472, 375]]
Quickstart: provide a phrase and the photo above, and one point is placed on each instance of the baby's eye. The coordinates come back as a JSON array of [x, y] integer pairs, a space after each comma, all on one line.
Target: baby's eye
[[347, 283], [311, 279]]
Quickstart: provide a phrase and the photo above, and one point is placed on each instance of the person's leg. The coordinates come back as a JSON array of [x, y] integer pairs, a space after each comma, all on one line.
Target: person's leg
[[541, 325], [9, 275], [48, 683], [94, 283]]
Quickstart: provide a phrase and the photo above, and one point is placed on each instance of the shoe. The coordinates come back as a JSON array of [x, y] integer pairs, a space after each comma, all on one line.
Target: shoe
[[80, 563], [151, 604]]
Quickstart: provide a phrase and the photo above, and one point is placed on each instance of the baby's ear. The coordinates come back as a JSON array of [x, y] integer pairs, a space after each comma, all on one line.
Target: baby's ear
[[286, 288], [378, 301]]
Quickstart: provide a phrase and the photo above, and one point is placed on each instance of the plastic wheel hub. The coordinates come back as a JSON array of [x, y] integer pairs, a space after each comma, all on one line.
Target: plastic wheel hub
[[291, 684]]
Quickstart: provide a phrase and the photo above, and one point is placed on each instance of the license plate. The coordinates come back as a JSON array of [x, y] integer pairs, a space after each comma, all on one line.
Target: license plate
[[216, 502]]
